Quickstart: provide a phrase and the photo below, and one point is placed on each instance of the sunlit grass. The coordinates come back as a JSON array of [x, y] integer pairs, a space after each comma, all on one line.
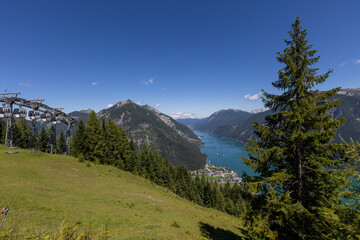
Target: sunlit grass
[[43, 190]]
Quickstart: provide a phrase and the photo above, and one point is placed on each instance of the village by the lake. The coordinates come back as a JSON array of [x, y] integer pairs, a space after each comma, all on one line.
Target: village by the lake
[[218, 174]]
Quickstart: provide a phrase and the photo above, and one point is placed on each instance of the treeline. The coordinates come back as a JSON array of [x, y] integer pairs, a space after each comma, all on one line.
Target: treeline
[[105, 143], [24, 137]]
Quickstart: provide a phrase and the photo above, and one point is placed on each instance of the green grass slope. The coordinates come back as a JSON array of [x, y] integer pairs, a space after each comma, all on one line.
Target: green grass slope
[[43, 190]]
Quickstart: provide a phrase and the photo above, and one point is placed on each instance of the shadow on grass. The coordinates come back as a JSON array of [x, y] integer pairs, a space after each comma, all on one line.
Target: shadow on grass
[[213, 233]]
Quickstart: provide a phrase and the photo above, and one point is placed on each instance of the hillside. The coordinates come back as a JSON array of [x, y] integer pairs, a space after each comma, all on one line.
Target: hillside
[[242, 130], [161, 133], [350, 109], [42, 190]]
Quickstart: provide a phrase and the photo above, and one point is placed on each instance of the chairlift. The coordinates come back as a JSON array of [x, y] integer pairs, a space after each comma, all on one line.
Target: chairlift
[[16, 113], [7, 112], [37, 114], [53, 120], [43, 117], [23, 112], [19, 113], [59, 119], [48, 117], [31, 115]]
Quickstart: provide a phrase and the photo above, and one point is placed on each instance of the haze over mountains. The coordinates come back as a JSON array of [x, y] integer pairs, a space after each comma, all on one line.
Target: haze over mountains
[[238, 125]]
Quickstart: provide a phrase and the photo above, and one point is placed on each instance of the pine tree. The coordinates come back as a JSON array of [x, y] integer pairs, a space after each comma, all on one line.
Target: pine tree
[[94, 139], [61, 143], [298, 165], [78, 141], [144, 161], [43, 140], [124, 143], [220, 201], [2, 131], [113, 145], [22, 132], [131, 159]]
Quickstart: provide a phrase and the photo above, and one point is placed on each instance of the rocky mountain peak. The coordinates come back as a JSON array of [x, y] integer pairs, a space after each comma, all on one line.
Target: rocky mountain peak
[[124, 102], [87, 111]]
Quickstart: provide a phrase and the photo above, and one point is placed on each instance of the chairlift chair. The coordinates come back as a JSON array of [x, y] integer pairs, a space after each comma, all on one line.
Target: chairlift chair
[[43, 117], [59, 119], [23, 112], [48, 117], [16, 113], [53, 120], [31, 115], [7, 112], [37, 114], [19, 113]]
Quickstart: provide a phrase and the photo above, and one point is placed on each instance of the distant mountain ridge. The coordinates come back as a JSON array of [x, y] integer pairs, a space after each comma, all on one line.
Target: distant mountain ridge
[[191, 122], [222, 118], [241, 130], [159, 132]]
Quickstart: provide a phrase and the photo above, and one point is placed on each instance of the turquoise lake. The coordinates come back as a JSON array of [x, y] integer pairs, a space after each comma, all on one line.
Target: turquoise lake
[[225, 153]]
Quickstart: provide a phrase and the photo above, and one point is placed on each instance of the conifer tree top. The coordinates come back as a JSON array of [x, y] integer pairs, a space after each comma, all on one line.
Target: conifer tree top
[[298, 76]]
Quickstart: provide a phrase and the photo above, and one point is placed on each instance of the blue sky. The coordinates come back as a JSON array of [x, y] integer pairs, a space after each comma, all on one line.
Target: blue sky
[[188, 57]]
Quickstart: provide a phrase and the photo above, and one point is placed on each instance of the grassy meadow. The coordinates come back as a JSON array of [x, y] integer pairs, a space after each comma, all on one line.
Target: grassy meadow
[[43, 190]]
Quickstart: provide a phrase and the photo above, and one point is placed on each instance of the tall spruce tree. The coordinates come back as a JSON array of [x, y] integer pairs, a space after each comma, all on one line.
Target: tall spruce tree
[[43, 140], [2, 131], [61, 143], [131, 158], [300, 174], [78, 141], [94, 139], [113, 144], [22, 132]]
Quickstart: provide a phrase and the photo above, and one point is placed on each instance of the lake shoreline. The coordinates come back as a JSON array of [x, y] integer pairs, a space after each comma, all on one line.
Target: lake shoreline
[[224, 152]]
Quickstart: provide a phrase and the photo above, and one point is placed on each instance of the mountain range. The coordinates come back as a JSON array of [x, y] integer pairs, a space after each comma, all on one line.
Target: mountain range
[[146, 125], [237, 125]]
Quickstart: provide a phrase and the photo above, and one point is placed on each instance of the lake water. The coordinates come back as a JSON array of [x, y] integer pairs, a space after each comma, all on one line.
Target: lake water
[[225, 153]]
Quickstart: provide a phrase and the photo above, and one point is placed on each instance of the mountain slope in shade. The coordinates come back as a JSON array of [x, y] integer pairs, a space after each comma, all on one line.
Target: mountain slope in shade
[[350, 109], [160, 132], [243, 130], [222, 118]]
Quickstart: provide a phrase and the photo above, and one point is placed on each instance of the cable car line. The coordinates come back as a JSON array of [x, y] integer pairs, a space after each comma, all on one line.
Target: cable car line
[[39, 112]]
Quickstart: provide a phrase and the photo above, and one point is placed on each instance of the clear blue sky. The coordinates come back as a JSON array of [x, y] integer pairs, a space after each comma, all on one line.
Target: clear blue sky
[[193, 57]]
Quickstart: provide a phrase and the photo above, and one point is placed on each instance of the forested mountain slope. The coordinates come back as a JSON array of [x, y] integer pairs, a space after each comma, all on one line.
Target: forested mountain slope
[[160, 132]]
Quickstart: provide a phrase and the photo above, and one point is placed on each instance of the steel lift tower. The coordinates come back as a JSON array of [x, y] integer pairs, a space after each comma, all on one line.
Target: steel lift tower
[[7, 112]]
